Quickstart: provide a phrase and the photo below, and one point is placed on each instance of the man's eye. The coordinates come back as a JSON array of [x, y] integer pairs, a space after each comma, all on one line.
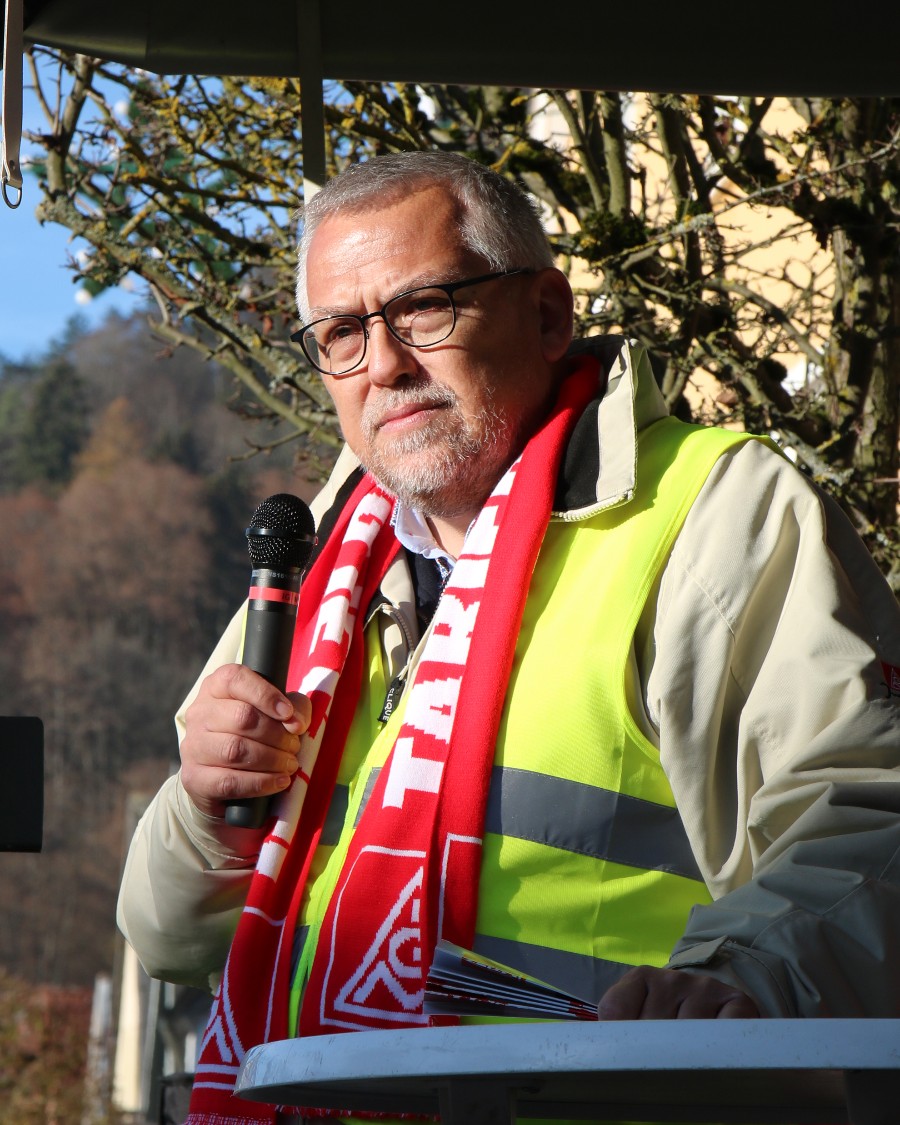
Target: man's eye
[[337, 332], [429, 302], [421, 303]]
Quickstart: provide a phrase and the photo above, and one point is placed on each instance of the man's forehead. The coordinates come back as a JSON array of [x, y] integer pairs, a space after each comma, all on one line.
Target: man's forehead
[[412, 199], [391, 194], [402, 243]]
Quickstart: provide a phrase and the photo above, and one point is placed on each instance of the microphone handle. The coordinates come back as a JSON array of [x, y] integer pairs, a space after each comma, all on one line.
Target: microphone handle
[[268, 639]]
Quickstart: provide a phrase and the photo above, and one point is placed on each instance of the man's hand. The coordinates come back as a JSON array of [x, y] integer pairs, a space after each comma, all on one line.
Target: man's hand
[[242, 738], [670, 994]]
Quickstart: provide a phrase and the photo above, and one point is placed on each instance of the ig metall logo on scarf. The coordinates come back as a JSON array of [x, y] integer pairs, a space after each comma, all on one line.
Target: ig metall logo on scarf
[[379, 982]]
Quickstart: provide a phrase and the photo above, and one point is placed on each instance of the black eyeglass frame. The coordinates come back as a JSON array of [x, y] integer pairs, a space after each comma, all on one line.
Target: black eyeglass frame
[[449, 288]]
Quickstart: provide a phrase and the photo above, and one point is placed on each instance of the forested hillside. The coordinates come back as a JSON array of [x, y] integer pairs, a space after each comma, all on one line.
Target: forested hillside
[[125, 486]]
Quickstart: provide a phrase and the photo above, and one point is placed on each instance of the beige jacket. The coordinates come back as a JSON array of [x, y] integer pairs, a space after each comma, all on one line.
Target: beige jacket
[[757, 671]]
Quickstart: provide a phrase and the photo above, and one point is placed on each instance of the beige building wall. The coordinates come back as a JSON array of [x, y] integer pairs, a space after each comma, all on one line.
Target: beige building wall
[[774, 254]]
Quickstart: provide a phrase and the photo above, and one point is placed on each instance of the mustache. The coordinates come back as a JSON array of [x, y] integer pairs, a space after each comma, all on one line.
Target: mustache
[[418, 394]]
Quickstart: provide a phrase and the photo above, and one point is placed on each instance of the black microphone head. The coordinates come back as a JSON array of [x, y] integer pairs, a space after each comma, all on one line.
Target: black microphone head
[[282, 533]]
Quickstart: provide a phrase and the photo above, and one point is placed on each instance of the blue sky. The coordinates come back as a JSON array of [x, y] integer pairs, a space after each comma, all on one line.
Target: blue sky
[[37, 292]]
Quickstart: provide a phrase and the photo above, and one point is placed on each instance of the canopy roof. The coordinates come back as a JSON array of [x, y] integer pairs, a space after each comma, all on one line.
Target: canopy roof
[[761, 47], [766, 47]]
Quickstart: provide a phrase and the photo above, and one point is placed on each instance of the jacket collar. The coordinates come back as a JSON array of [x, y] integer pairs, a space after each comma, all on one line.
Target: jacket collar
[[600, 462]]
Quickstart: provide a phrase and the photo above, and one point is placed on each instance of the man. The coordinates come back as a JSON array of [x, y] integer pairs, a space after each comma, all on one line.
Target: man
[[604, 696]]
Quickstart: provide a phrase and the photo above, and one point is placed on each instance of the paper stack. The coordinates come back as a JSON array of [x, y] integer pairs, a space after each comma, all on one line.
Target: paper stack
[[463, 983]]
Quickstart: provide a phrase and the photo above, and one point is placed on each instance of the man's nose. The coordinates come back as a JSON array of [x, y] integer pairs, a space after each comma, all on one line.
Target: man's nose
[[387, 359]]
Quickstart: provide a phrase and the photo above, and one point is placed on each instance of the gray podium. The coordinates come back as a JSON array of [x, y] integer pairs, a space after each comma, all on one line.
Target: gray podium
[[821, 1072]]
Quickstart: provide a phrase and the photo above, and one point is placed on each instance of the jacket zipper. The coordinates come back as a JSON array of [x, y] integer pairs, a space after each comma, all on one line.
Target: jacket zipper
[[397, 684]]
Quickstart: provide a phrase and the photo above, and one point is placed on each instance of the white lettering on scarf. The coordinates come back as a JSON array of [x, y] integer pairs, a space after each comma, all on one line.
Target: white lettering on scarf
[[334, 624], [433, 698], [421, 774]]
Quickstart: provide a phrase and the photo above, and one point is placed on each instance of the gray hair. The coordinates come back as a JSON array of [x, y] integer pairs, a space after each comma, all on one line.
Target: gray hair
[[498, 221]]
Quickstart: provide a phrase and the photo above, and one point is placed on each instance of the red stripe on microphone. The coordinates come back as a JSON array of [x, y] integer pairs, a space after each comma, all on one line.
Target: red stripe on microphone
[[273, 594]]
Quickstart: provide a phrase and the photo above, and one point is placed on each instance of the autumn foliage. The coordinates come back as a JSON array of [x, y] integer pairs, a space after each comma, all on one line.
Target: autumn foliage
[[43, 1037], [123, 556]]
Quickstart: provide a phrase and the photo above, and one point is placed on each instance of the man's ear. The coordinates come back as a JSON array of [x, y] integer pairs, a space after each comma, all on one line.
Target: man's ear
[[556, 305]]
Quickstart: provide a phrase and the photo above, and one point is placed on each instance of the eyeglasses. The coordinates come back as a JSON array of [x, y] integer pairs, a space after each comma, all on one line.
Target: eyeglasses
[[335, 345]]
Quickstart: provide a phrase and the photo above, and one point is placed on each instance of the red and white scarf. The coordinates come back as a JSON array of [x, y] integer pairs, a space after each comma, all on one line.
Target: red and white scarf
[[411, 873]]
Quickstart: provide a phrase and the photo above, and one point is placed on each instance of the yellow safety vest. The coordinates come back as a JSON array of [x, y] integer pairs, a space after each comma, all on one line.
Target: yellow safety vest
[[586, 868]]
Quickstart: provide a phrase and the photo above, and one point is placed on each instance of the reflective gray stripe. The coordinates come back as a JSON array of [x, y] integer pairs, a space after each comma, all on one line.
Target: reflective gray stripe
[[588, 820], [367, 792], [300, 935], [336, 815], [576, 973], [584, 819]]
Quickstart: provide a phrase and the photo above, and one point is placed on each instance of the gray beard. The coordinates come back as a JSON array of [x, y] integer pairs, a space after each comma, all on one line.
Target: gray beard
[[451, 465]]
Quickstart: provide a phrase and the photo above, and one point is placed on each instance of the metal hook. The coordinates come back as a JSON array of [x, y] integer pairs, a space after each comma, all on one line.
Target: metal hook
[[11, 101], [6, 199]]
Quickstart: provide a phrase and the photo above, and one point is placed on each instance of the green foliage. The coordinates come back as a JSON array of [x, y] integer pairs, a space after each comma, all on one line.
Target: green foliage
[[43, 423], [54, 427], [12, 409], [603, 235]]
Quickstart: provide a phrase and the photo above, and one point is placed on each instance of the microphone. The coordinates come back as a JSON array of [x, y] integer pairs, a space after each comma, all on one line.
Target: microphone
[[280, 540]]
